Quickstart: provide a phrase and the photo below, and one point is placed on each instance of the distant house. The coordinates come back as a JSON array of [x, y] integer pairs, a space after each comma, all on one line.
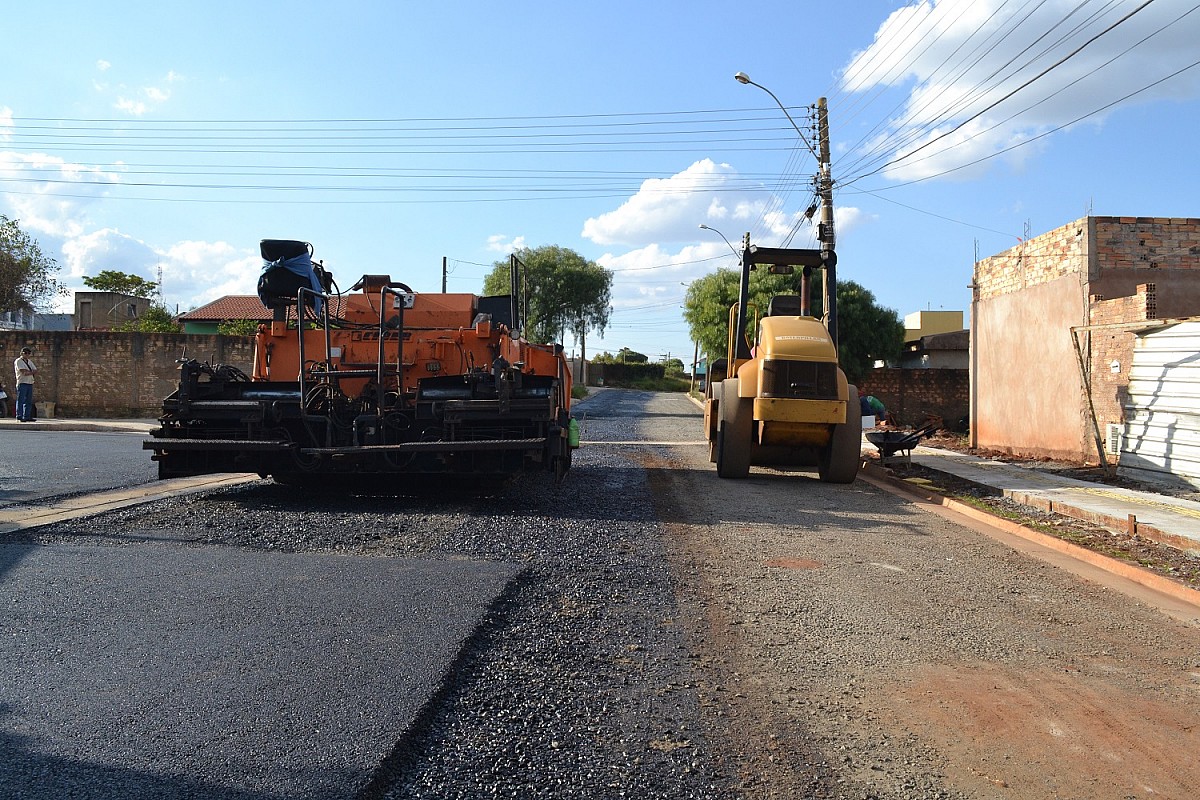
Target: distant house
[[102, 311], [53, 322], [206, 318], [20, 319], [938, 351]]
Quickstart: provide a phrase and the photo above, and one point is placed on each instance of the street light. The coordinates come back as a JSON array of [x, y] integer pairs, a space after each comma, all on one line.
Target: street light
[[824, 181], [704, 227], [742, 77]]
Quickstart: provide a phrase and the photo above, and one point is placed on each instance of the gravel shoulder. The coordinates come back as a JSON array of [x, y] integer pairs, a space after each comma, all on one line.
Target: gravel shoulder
[[1169, 562], [868, 649]]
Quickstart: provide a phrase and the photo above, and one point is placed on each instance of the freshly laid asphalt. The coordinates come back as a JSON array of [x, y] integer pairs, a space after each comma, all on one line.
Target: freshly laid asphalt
[[163, 671], [166, 670]]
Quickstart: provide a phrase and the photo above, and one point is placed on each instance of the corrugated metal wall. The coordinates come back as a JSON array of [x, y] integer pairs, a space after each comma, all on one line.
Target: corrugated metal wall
[[1162, 412]]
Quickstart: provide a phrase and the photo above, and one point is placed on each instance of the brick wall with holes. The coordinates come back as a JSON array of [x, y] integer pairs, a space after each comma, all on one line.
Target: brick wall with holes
[[1109, 351], [1053, 255], [106, 374], [912, 395], [1031, 395]]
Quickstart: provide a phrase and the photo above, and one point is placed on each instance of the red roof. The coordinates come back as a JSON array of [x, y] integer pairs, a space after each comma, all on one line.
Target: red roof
[[239, 306], [231, 306]]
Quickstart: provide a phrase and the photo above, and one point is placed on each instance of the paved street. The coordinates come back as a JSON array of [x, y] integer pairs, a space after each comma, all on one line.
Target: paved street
[[36, 464]]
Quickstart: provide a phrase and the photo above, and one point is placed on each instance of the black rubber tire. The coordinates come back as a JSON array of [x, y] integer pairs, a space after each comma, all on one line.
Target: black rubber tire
[[713, 423], [734, 432], [838, 462]]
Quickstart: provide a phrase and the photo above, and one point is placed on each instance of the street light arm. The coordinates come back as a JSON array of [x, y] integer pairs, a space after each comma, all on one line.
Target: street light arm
[[742, 77], [718, 233]]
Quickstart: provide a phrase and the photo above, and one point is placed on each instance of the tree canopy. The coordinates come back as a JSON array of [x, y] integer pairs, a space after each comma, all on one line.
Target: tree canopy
[[566, 292], [867, 332], [122, 283], [622, 356], [156, 319], [28, 277], [706, 306]]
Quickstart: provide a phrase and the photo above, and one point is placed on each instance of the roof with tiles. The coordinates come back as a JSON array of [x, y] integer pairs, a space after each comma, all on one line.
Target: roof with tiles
[[231, 306], [239, 306]]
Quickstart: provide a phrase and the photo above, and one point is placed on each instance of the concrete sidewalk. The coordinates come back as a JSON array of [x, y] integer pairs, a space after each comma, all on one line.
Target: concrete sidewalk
[[57, 424], [1160, 517]]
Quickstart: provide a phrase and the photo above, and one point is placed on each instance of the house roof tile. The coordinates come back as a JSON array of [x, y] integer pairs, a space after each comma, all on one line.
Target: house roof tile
[[239, 306], [231, 306]]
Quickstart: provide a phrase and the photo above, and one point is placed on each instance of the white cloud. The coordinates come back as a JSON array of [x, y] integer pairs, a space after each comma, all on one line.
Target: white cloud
[[501, 243], [137, 101], [107, 248], [103, 65], [48, 194], [669, 209], [193, 272], [133, 107], [957, 59]]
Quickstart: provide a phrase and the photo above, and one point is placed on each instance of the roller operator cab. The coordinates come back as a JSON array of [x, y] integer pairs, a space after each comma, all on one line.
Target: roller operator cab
[[782, 399], [381, 380]]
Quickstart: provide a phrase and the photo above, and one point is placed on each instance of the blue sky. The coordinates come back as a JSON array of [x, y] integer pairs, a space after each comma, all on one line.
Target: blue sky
[[169, 138]]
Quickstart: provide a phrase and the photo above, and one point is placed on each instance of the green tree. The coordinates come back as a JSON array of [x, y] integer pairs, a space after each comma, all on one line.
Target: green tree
[[28, 277], [566, 293], [238, 327], [157, 319], [121, 283], [709, 298], [867, 332]]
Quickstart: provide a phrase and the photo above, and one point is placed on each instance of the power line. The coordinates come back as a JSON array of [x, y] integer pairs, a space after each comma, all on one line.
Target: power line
[[1007, 95]]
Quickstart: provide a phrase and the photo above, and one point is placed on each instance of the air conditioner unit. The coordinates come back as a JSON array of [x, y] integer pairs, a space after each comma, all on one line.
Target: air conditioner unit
[[1113, 438]]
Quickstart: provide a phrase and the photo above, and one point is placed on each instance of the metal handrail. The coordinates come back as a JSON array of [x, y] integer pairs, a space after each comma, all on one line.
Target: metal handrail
[[383, 292], [300, 293]]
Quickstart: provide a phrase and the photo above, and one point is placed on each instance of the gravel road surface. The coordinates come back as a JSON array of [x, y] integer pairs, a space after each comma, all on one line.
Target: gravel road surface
[[674, 635]]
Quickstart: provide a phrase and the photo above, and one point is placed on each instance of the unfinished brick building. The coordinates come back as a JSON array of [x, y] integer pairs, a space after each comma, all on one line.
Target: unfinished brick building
[[1053, 326]]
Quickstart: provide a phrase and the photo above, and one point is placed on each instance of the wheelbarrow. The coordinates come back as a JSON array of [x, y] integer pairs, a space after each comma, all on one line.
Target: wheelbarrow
[[897, 446]]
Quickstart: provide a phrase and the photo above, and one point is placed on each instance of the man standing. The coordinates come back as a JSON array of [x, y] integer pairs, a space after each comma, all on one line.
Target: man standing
[[25, 371]]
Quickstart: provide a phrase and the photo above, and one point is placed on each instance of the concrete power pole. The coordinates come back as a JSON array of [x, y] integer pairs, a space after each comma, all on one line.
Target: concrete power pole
[[443, 274], [825, 232]]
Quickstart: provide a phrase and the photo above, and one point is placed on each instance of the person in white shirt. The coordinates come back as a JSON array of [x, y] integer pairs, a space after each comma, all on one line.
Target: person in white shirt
[[25, 370]]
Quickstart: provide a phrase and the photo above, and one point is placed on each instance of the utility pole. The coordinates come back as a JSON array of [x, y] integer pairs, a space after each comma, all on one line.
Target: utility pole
[[443, 274], [825, 233]]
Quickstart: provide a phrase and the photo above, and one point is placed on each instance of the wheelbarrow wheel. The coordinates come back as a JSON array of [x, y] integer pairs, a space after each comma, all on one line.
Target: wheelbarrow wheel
[[838, 461]]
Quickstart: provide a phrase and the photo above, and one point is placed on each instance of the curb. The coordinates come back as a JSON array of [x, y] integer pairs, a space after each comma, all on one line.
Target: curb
[[1143, 577]]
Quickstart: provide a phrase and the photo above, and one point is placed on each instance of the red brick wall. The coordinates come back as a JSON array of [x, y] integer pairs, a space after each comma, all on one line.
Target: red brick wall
[[109, 374], [1030, 398], [913, 394], [1110, 352], [1040, 260]]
